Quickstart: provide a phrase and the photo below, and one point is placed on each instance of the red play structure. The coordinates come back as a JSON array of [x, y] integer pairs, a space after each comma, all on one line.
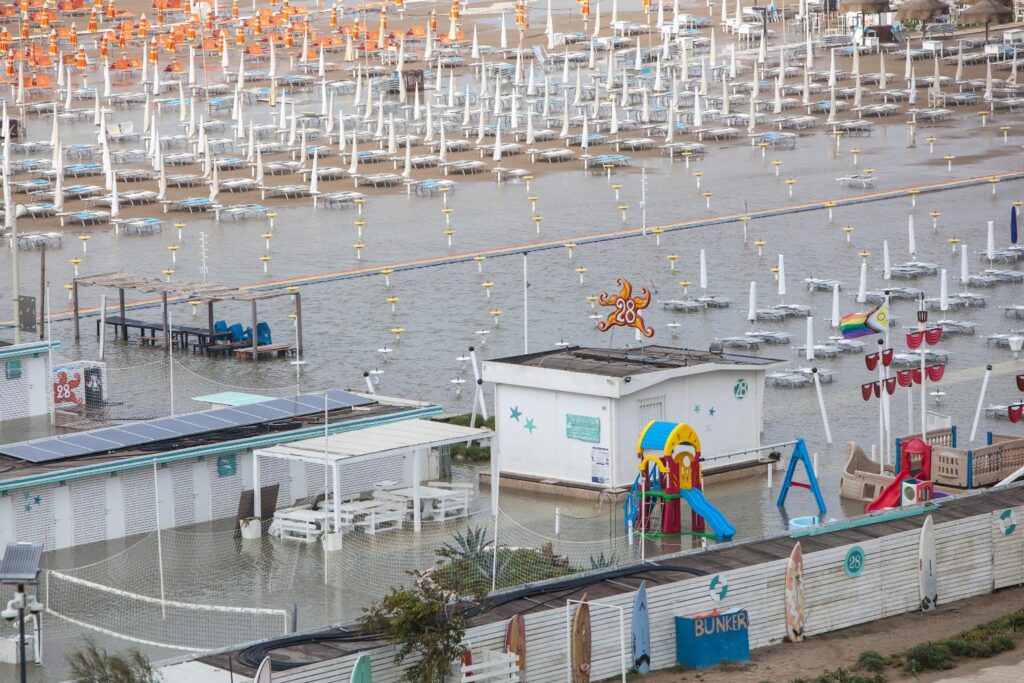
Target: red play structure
[[915, 463]]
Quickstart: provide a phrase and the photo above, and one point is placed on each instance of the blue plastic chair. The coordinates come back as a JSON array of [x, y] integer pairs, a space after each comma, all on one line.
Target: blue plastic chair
[[220, 327], [263, 334], [237, 333], [247, 335]]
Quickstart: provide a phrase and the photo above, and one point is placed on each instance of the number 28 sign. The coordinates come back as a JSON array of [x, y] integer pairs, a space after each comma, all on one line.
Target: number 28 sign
[[626, 308]]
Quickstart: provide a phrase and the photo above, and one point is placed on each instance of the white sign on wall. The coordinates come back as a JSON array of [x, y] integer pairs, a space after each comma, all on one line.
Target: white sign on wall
[[600, 465]]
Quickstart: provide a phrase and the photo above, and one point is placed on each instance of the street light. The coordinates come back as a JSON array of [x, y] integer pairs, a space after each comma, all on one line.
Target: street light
[[20, 566]]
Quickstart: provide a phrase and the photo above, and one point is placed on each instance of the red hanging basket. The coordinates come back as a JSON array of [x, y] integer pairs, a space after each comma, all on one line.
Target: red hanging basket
[[865, 391], [1014, 412], [914, 339], [933, 335], [890, 385], [916, 374], [935, 372], [887, 358], [1020, 382], [905, 377], [877, 387], [871, 360]]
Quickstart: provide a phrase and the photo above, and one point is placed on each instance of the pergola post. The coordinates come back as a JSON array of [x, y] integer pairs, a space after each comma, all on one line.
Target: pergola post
[[209, 317], [254, 323], [257, 497], [74, 304], [167, 322], [124, 328], [298, 323], [417, 514]]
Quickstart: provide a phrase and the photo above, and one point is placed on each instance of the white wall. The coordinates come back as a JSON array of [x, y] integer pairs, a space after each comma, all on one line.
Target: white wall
[[27, 396], [735, 423], [546, 450]]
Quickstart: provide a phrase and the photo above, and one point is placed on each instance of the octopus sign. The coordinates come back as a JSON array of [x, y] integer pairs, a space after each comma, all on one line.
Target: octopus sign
[[627, 308]]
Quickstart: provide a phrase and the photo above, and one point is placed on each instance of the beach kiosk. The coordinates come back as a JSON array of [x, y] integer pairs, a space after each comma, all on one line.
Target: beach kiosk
[[570, 417]]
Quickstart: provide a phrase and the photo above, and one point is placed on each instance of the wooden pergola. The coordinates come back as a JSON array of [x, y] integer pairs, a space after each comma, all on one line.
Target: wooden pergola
[[184, 292]]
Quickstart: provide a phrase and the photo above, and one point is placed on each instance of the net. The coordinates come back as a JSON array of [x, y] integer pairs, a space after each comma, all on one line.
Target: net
[[152, 621], [181, 591]]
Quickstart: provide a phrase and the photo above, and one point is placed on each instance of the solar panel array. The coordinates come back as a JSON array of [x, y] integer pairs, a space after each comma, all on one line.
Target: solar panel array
[[190, 424]]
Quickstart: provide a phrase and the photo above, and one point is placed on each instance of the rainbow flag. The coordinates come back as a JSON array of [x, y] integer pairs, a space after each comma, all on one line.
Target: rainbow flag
[[862, 324]]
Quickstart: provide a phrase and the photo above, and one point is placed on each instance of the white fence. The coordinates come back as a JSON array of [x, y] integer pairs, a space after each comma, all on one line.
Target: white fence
[[975, 556]]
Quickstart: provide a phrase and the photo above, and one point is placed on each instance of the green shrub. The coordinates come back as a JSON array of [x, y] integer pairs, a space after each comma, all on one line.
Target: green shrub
[[92, 664], [1001, 643], [869, 660], [927, 657]]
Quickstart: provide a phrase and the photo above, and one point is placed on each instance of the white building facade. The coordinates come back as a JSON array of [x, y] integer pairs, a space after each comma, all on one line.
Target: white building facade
[[575, 415]]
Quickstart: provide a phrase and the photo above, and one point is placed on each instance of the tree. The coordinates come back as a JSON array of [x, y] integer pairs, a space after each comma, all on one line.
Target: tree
[[425, 623], [92, 664]]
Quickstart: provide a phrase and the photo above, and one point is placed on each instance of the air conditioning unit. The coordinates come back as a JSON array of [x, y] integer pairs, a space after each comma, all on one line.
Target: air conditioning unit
[[79, 384]]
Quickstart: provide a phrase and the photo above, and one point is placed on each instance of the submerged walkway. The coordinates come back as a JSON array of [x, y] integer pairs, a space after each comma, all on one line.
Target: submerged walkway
[[584, 239]]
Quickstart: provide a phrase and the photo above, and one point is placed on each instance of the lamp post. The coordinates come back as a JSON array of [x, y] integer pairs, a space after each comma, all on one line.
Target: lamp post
[[21, 566]]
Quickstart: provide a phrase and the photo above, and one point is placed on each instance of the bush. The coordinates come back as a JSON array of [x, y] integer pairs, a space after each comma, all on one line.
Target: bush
[[1001, 642], [426, 624], [869, 660], [928, 657], [92, 664]]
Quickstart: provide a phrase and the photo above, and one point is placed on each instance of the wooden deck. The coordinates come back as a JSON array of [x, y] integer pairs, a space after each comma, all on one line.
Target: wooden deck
[[279, 350]]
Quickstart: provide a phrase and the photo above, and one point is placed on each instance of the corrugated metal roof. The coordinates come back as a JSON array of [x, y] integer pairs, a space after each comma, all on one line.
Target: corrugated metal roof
[[389, 438]]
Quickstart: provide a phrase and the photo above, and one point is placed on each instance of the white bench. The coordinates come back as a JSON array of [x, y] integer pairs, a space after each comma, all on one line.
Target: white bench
[[297, 523], [490, 665], [384, 517]]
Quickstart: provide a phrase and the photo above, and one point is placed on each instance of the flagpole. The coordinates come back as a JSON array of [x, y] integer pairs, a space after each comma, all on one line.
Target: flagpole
[[886, 451]]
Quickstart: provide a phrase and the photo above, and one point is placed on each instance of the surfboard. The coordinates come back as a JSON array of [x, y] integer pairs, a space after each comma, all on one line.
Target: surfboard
[[641, 631], [363, 670], [581, 642], [795, 595], [263, 673], [515, 639], [926, 566]]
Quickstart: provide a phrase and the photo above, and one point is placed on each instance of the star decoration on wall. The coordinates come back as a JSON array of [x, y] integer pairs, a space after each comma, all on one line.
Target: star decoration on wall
[[711, 411], [516, 413], [529, 425], [696, 408]]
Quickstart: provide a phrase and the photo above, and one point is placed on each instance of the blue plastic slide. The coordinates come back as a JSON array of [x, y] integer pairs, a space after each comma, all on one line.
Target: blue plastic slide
[[724, 531]]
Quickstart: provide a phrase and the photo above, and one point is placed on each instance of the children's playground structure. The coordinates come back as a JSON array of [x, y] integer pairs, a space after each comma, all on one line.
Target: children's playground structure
[[913, 483], [668, 474]]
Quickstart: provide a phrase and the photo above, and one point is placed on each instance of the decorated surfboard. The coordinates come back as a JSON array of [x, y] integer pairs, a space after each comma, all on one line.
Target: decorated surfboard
[[515, 639], [795, 595], [363, 670], [641, 631], [263, 672], [927, 575], [581, 642]]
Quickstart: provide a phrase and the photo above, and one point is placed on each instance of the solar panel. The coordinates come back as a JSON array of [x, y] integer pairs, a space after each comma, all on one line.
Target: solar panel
[[166, 428]]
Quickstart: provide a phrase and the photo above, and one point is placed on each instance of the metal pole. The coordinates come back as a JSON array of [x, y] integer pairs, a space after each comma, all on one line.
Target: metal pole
[[526, 315], [21, 619], [643, 199], [981, 400], [49, 356], [622, 642], [494, 560], [170, 355], [159, 541], [42, 288], [15, 272], [103, 323], [821, 406]]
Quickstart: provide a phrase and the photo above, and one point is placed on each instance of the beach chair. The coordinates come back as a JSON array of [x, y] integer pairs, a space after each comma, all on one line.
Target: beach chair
[[263, 334], [237, 332]]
